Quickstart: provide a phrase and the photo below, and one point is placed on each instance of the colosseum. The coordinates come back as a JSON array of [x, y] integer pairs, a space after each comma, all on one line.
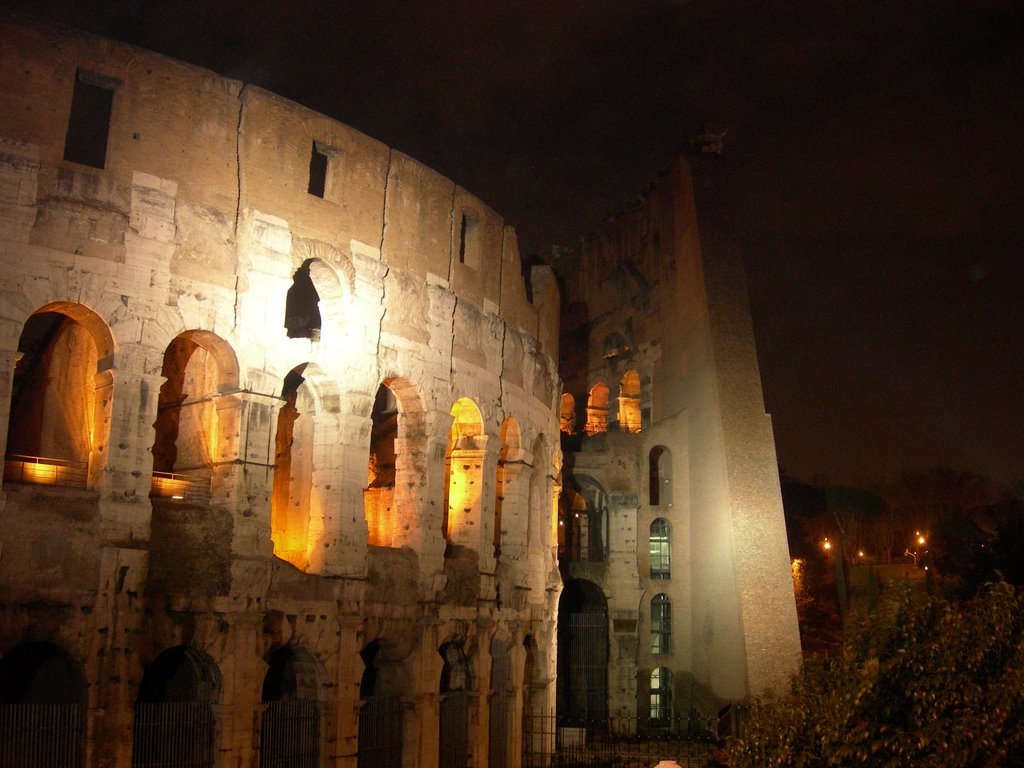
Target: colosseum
[[295, 474]]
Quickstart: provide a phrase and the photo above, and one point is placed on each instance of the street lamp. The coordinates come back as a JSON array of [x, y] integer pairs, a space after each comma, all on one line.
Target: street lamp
[[920, 542]]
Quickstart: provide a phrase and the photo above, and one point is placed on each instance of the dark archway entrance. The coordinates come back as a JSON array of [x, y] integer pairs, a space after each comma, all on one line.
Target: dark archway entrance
[[381, 725], [174, 724], [42, 703], [290, 725], [582, 687]]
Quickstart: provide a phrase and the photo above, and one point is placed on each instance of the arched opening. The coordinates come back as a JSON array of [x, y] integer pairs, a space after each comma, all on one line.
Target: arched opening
[[660, 476], [567, 418], [192, 423], [464, 473], [302, 306], [629, 402], [42, 707], [60, 397], [510, 451], [501, 726], [455, 687], [399, 438], [381, 726], [661, 624], [582, 683], [290, 723], [661, 696], [583, 521], [597, 409], [174, 723], [379, 496], [661, 549], [292, 499]]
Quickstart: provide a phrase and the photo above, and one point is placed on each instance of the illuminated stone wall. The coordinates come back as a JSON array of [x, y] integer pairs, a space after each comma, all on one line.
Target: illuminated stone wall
[[659, 296], [220, 497]]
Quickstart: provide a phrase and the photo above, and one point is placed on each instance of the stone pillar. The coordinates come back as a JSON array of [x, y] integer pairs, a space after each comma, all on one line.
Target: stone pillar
[[625, 588], [243, 476], [340, 481], [125, 482]]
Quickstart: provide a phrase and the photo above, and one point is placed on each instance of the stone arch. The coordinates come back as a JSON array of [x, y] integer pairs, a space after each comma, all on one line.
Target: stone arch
[[197, 421], [294, 707], [393, 513], [330, 261], [379, 495], [384, 683], [464, 474], [454, 688], [302, 306], [178, 692], [59, 415], [582, 682], [567, 414], [42, 688], [629, 403], [597, 409], [583, 521]]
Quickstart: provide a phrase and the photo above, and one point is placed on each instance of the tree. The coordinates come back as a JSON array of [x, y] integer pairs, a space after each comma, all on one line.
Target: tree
[[923, 682]]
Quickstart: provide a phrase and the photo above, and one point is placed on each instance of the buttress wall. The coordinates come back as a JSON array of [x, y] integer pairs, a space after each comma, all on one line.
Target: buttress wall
[[696, 568], [317, 406]]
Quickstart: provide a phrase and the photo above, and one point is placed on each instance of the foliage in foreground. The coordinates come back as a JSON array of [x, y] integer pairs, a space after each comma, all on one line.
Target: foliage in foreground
[[924, 683]]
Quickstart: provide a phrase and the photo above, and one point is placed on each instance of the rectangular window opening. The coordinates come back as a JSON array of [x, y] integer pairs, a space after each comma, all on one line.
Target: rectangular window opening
[[89, 120], [469, 246], [317, 171]]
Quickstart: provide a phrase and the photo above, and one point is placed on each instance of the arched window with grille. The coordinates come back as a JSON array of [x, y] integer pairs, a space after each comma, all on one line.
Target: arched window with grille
[[661, 549], [661, 695], [661, 624], [660, 476]]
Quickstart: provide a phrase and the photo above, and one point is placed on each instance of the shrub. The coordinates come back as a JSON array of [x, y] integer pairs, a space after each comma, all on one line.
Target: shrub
[[923, 682]]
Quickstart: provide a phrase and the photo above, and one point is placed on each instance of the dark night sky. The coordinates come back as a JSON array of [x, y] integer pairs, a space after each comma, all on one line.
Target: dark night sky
[[877, 147]]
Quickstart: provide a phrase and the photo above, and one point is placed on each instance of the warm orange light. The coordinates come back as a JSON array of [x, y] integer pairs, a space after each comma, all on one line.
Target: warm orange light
[[378, 504], [629, 402], [827, 545]]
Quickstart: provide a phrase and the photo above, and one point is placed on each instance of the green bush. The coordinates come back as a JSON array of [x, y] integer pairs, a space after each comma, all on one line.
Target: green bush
[[923, 682]]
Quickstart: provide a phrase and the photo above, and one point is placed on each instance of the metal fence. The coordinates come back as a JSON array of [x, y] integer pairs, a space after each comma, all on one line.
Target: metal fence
[[380, 732], [173, 735], [624, 742], [187, 488], [454, 736], [290, 734], [40, 735], [40, 470]]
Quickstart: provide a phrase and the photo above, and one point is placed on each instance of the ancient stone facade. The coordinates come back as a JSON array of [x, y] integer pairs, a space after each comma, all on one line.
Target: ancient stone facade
[[280, 413], [672, 540]]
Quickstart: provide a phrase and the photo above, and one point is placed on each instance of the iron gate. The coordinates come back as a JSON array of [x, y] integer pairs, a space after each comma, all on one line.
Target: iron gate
[[40, 735], [290, 734], [453, 751], [380, 732], [176, 734]]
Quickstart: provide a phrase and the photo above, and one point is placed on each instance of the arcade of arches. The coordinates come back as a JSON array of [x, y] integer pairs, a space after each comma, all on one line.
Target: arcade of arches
[[292, 476]]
